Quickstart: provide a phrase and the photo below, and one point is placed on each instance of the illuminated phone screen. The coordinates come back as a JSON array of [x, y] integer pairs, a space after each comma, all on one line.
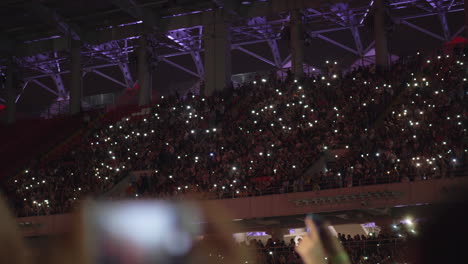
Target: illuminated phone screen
[[140, 231]]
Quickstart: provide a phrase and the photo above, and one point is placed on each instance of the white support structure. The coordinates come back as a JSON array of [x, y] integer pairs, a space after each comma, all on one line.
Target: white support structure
[[197, 59], [109, 78], [458, 32], [126, 74], [349, 19], [62, 93], [357, 40], [47, 88], [425, 31], [264, 29], [336, 43], [25, 84], [111, 46], [438, 7], [371, 45], [346, 19], [49, 66], [275, 52], [181, 67], [255, 55], [106, 50], [445, 26], [286, 60], [185, 40]]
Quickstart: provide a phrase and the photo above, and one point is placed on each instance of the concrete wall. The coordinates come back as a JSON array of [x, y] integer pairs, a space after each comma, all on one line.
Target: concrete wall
[[391, 195]]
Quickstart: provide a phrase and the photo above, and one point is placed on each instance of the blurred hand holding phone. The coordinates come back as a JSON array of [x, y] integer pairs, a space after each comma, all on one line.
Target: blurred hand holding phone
[[140, 231], [319, 245]]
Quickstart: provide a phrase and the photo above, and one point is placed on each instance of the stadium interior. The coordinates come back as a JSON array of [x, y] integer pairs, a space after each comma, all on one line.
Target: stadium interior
[[263, 111]]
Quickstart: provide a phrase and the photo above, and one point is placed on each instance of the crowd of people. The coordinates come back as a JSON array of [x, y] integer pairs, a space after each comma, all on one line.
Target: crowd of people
[[361, 249], [407, 123], [423, 136]]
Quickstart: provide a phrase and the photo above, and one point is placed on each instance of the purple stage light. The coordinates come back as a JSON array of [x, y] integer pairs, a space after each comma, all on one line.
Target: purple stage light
[[41, 39], [256, 233]]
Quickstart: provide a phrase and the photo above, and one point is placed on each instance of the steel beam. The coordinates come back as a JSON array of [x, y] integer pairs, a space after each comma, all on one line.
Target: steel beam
[[167, 23], [425, 31], [25, 84], [109, 78], [427, 14], [62, 93], [445, 26], [458, 32], [320, 36], [285, 61], [197, 59], [437, 6], [255, 55], [109, 50], [357, 40], [347, 17], [126, 74], [451, 4], [189, 43], [30, 78], [275, 52], [45, 87], [346, 20], [44, 63], [255, 22], [135, 29], [246, 33], [106, 50], [371, 45], [255, 9], [371, 3], [181, 67], [327, 17]]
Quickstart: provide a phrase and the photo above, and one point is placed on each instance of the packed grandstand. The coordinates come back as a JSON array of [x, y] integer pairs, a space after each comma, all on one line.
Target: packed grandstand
[[264, 136], [184, 151]]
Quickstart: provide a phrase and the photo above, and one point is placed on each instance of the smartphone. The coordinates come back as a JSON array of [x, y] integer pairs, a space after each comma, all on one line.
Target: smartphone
[[140, 231]]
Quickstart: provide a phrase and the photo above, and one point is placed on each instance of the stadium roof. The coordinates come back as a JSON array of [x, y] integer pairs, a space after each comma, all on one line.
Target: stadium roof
[[38, 33]]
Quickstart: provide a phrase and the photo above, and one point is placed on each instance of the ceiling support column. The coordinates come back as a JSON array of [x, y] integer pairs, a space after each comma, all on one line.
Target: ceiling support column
[[76, 86], [10, 93], [144, 73], [297, 44], [217, 41], [466, 18], [380, 34]]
